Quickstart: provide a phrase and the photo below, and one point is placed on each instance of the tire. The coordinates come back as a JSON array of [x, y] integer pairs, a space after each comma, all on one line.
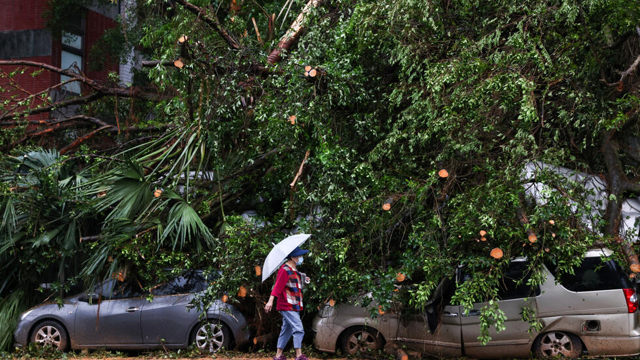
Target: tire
[[211, 336], [557, 343], [361, 339], [50, 333]]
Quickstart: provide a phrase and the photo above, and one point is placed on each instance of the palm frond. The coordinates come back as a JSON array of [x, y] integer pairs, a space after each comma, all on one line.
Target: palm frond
[[99, 258], [70, 239], [37, 160], [104, 261], [10, 307], [46, 237], [128, 194], [184, 225], [75, 180], [9, 218]]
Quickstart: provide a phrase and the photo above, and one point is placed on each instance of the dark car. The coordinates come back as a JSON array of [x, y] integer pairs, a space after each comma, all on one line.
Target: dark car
[[117, 315]]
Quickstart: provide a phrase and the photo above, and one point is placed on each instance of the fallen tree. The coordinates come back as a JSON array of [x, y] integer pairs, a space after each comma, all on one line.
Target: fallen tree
[[412, 138]]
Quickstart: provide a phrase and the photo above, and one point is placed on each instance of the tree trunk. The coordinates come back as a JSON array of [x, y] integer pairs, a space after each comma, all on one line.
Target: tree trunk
[[617, 183]]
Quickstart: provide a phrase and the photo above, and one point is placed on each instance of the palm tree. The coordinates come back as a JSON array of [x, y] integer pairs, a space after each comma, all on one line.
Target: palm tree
[[42, 205]]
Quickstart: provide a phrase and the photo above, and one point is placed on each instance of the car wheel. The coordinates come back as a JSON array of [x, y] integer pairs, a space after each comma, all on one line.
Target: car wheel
[[211, 336], [361, 339], [50, 333], [557, 343]]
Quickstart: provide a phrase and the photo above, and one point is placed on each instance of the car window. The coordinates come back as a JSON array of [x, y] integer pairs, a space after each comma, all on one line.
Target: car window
[[104, 288], [514, 283], [190, 282], [595, 274], [113, 289]]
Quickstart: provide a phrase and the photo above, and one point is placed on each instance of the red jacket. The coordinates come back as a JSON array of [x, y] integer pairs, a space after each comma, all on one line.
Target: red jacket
[[288, 289]]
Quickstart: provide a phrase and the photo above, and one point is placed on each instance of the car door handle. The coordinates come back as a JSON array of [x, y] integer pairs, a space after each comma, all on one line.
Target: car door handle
[[133, 309], [450, 314], [474, 313]]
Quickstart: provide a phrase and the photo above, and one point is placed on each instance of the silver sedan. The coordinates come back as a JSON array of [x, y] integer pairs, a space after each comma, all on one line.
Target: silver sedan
[[116, 316]]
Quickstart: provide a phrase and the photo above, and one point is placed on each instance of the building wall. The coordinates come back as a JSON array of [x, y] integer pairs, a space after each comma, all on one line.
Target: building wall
[[96, 25], [23, 36], [22, 14], [25, 84]]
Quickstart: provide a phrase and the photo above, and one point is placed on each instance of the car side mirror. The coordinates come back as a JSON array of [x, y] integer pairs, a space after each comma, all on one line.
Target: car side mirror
[[90, 298]]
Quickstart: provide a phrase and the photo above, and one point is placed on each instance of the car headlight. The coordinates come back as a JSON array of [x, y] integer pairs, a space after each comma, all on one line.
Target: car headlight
[[326, 311], [25, 314]]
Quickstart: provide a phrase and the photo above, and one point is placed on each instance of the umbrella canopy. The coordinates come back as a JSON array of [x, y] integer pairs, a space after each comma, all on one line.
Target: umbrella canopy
[[279, 253]]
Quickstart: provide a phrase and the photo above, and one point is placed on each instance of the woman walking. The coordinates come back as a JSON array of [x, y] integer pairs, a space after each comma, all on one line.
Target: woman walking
[[288, 290]]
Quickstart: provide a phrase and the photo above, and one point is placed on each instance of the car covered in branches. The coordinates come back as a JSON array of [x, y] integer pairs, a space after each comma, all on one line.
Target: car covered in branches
[[119, 315], [593, 311]]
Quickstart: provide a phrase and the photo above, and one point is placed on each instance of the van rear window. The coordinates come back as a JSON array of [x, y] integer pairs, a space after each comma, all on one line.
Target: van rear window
[[595, 274]]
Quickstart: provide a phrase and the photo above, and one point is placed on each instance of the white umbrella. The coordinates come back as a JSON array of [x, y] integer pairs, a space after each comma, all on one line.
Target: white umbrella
[[279, 253]]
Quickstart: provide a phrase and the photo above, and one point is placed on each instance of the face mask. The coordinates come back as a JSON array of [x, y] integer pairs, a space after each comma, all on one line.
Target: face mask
[[300, 260]]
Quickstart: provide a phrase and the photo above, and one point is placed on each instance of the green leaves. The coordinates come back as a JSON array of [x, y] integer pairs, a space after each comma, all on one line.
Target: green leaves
[[491, 315]]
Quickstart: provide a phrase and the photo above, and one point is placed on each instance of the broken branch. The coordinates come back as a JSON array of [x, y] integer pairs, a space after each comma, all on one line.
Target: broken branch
[[255, 27], [631, 69], [295, 179], [54, 106], [212, 20], [93, 84], [522, 217], [80, 140], [292, 35], [263, 340]]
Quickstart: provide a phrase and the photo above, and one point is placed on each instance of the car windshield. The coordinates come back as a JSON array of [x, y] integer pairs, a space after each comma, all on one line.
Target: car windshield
[[189, 282], [192, 281]]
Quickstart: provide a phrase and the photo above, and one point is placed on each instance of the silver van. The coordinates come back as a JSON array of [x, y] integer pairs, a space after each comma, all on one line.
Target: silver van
[[593, 312]]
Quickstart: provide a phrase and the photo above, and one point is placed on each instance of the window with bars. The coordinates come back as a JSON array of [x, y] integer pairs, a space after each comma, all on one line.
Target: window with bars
[[72, 52]]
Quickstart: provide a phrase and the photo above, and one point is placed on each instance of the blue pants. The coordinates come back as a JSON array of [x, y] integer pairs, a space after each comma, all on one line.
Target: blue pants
[[291, 326]]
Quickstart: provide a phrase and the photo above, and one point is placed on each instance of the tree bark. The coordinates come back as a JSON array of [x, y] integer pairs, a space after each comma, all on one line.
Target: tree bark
[[617, 183], [393, 349], [292, 35], [154, 63], [262, 340]]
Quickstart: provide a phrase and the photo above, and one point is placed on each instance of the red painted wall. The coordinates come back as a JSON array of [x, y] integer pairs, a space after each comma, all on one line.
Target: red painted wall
[[97, 24], [22, 14], [27, 15], [26, 84]]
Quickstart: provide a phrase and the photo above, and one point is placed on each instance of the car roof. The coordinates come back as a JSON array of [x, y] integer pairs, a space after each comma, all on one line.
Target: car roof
[[595, 252], [599, 252]]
